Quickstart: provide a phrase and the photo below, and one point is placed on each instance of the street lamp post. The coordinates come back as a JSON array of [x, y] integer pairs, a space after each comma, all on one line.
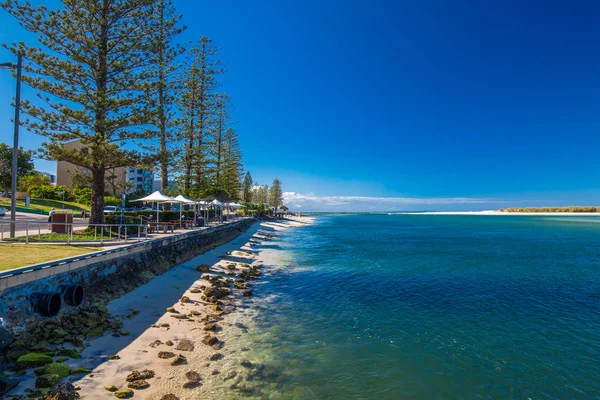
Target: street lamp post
[[15, 160]]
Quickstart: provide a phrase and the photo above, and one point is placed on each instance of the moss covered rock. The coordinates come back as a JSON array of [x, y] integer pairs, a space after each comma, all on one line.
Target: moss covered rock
[[32, 360], [80, 370], [94, 333], [124, 393], [72, 353], [46, 381], [61, 370]]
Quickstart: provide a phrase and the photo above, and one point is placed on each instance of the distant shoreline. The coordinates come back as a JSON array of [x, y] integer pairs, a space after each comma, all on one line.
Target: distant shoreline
[[510, 213]]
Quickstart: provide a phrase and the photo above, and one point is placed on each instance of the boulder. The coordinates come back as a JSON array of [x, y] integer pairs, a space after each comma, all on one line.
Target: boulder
[[80, 370], [95, 333], [111, 388], [62, 391], [124, 393], [211, 327], [72, 353], [191, 384], [203, 268], [140, 375], [179, 360], [185, 345], [193, 376], [6, 385], [6, 338], [169, 396], [210, 340], [46, 381], [139, 384], [215, 357], [166, 354], [215, 292], [61, 370], [32, 360]]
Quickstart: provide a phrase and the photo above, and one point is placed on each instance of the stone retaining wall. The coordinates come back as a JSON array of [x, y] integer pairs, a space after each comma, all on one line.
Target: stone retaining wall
[[112, 275]]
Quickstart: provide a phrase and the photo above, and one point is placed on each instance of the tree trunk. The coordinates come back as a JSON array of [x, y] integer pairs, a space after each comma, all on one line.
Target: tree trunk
[[97, 205]]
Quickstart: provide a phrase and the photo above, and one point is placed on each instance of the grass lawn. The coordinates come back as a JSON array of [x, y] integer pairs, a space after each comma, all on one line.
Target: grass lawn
[[20, 255], [45, 205]]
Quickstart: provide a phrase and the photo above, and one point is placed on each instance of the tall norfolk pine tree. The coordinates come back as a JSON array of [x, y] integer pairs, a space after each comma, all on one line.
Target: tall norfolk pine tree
[[247, 194], [197, 81], [93, 75], [231, 165], [165, 25], [276, 194]]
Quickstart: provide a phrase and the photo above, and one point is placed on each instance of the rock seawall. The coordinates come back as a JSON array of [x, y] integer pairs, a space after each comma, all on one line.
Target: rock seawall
[[104, 280]]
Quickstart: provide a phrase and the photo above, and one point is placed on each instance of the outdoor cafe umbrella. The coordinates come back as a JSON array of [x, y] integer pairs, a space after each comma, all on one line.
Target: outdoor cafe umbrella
[[217, 203], [156, 197], [182, 200]]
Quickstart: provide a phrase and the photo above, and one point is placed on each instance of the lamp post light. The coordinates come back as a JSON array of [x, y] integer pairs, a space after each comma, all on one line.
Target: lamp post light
[[15, 160]]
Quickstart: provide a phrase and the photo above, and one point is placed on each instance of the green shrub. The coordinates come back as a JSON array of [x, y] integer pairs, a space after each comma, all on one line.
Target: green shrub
[[82, 195], [112, 201], [49, 192]]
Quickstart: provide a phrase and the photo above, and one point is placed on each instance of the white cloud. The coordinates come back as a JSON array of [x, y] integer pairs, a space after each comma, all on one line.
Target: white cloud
[[312, 202]]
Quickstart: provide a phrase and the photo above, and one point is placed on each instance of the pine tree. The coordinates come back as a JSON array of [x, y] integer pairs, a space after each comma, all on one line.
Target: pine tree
[[247, 195], [261, 194], [220, 123], [197, 81], [276, 194], [231, 164], [164, 23], [92, 72]]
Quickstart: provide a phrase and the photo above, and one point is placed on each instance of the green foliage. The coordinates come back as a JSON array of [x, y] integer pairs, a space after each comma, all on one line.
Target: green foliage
[[91, 72], [50, 192], [276, 194], [24, 165], [247, 195], [196, 106], [164, 23], [112, 201], [35, 179], [82, 195]]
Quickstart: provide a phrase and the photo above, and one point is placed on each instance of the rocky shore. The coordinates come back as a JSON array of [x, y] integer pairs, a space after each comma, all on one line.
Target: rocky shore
[[177, 336]]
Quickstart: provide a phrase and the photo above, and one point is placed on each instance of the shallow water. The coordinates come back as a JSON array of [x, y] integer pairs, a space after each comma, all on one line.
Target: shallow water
[[432, 306]]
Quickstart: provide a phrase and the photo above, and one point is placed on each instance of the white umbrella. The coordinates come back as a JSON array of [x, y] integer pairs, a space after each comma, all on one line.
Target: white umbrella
[[182, 200], [156, 197]]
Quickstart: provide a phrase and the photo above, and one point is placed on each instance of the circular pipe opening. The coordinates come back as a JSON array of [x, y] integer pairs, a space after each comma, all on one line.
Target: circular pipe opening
[[77, 296], [71, 294], [54, 304], [46, 304]]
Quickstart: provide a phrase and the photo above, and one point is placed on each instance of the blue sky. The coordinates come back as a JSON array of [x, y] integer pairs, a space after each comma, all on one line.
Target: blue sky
[[434, 104]]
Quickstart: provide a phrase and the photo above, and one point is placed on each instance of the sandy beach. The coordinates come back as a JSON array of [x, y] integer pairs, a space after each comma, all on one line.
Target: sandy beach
[[496, 212], [184, 328]]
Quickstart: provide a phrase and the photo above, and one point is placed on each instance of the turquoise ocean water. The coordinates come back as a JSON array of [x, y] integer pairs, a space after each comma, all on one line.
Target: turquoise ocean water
[[433, 306]]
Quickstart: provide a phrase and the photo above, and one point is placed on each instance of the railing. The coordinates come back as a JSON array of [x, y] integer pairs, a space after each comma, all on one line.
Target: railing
[[32, 231]]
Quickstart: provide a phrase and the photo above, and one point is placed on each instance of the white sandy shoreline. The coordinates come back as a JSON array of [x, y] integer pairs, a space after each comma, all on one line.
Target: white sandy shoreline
[[495, 212]]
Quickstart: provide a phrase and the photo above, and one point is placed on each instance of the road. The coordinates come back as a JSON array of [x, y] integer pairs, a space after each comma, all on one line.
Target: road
[[35, 221]]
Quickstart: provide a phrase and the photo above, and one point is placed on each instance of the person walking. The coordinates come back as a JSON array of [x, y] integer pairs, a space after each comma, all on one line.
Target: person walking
[[50, 214]]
